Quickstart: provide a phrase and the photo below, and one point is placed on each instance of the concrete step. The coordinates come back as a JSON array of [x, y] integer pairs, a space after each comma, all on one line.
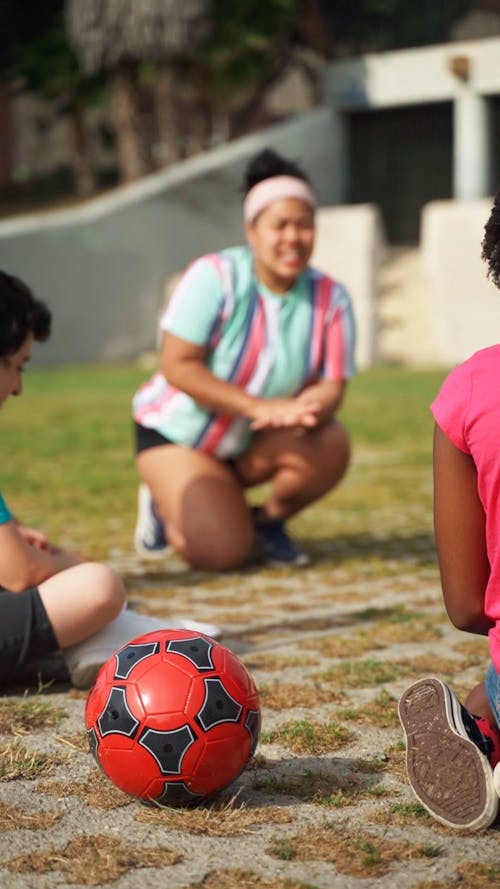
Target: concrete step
[[406, 333]]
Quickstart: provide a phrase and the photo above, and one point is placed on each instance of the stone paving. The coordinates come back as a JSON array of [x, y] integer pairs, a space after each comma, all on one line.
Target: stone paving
[[325, 801]]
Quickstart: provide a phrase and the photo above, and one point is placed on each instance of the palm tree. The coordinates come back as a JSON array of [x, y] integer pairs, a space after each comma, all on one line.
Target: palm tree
[[117, 36]]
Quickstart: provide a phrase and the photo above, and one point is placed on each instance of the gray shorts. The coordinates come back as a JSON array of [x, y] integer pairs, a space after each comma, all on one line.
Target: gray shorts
[[26, 634]]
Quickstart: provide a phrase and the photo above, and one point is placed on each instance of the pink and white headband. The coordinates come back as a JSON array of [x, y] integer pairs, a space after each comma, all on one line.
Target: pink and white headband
[[275, 188]]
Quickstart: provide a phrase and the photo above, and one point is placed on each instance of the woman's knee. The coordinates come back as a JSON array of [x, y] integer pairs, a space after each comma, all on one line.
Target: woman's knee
[[104, 587], [218, 552], [324, 456]]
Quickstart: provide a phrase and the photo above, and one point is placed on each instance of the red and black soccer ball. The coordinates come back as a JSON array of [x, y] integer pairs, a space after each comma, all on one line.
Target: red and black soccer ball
[[173, 717]]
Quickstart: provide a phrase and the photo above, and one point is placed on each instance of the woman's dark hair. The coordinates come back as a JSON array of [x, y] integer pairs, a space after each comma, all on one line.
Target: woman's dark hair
[[269, 163], [20, 315], [491, 242]]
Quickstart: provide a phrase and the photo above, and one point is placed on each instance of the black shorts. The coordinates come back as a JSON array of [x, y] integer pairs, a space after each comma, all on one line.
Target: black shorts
[[25, 632], [149, 438]]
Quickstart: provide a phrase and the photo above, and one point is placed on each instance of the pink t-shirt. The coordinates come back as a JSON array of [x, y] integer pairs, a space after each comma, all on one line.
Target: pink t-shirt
[[467, 409]]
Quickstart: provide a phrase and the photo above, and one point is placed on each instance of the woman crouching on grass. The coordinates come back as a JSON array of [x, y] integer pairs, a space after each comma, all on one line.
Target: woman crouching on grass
[[257, 351], [52, 599]]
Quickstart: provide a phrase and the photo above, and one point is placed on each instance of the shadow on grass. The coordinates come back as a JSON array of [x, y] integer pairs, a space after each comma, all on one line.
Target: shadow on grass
[[418, 548], [333, 780]]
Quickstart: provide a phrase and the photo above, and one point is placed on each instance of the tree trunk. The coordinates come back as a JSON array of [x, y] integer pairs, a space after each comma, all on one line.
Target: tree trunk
[[315, 27], [169, 149], [200, 131], [84, 174], [131, 160]]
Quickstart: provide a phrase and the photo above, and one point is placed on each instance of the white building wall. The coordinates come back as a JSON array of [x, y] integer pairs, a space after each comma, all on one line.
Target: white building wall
[[465, 305], [413, 76]]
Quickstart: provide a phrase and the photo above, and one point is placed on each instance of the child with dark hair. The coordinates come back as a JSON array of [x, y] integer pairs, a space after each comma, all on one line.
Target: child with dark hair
[[20, 315], [50, 598], [453, 750], [256, 353]]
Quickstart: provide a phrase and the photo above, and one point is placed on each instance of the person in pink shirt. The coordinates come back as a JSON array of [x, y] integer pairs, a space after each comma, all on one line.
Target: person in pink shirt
[[453, 750]]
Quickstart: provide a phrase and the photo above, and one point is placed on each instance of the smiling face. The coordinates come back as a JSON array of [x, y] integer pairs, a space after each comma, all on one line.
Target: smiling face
[[282, 240], [11, 370]]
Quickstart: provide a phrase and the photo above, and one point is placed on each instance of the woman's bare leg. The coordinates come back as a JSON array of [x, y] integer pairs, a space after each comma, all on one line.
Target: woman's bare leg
[[203, 505], [301, 466]]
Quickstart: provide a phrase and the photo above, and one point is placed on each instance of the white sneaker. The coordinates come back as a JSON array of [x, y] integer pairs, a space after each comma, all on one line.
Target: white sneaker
[[181, 623], [496, 779], [85, 659], [150, 539]]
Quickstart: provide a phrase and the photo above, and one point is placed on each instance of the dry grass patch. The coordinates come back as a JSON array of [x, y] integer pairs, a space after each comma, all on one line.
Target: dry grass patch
[[18, 762], [403, 814], [77, 741], [97, 791], [271, 662], [393, 614], [322, 788], [363, 673], [396, 761], [470, 875], [288, 629], [283, 695], [304, 736], [239, 879], [19, 717], [92, 860], [433, 663], [381, 712], [16, 818], [217, 820], [338, 646], [475, 646], [413, 631], [475, 652], [353, 854]]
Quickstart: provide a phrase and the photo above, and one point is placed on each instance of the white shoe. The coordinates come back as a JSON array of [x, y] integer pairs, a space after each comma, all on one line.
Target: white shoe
[[150, 539], [181, 623], [85, 659], [496, 779]]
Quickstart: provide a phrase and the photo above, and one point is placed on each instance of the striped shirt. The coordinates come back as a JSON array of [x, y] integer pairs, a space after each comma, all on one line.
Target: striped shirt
[[271, 345]]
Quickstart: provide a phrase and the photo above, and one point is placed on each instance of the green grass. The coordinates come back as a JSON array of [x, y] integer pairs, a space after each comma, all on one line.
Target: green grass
[[68, 455], [67, 462]]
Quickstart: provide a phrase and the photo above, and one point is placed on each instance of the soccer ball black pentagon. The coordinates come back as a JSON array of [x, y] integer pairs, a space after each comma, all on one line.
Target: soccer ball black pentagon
[[173, 717]]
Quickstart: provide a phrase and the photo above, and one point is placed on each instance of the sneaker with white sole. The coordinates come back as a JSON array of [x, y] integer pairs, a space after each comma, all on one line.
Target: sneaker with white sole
[[448, 756], [150, 539], [85, 659]]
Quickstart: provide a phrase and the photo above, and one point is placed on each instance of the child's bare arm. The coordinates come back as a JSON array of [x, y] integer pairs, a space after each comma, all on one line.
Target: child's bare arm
[[23, 564], [459, 522]]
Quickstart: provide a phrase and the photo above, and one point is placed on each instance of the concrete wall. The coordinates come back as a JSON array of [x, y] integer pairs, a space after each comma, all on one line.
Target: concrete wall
[[464, 304], [350, 247], [101, 267], [413, 76]]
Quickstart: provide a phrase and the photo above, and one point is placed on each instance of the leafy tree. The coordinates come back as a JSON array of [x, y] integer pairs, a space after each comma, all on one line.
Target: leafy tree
[[249, 49], [117, 36], [38, 59], [357, 26]]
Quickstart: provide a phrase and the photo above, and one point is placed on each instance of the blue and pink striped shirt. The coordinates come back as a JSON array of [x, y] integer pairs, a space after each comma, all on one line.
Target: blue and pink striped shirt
[[271, 345]]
